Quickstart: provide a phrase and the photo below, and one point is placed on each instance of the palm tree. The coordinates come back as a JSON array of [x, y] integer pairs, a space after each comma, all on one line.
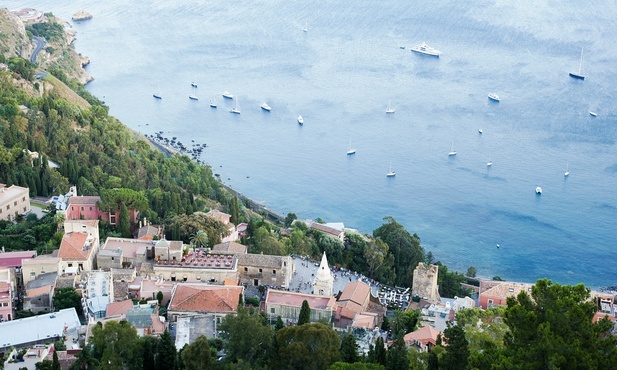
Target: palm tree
[[200, 239]]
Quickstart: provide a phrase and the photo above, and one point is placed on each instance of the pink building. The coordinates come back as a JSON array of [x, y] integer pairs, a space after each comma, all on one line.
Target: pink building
[[6, 301], [86, 208], [493, 293]]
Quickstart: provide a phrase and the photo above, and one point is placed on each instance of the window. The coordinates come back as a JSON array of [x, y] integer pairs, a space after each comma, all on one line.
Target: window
[[24, 209], [260, 271], [91, 208], [273, 272], [15, 203], [112, 258], [33, 273], [23, 199], [272, 310], [72, 208], [8, 207], [82, 208], [255, 282], [285, 264], [246, 269]]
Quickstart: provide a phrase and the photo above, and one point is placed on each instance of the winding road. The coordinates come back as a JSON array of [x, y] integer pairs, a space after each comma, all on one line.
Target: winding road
[[40, 43]]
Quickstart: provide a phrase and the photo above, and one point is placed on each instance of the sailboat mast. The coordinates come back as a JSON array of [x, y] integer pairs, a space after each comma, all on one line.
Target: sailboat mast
[[580, 66]]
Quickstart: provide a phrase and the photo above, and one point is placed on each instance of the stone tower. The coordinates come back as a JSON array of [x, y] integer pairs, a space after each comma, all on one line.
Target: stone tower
[[324, 280], [425, 282]]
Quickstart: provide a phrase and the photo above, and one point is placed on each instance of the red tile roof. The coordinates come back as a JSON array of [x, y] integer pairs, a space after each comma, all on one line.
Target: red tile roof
[[424, 335], [295, 299], [354, 295], [118, 308], [72, 246], [84, 200], [207, 298]]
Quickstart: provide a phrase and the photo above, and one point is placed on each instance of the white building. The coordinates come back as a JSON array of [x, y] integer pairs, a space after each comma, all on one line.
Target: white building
[[324, 281]]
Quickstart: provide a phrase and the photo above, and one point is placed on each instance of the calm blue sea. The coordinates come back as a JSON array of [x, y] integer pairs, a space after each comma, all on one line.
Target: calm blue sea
[[340, 76]]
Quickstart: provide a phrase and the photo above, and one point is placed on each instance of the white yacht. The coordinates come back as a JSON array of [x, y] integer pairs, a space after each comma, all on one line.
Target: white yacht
[[566, 173], [300, 120], [228, 95], [391, 173], [538, 190], [452, 152], [593, 114], [236, 108], [480, 131], [266, 107], [423, 48], [389, 108], [493, 97], [213, 103], [351, 150], [193, 97]]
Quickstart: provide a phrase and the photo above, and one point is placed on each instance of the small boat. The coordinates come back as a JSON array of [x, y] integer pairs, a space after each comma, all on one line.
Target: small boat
[[402, 47], [305, 29], [593, 114], [489, 163], [579, 75], [423, 48], [227, 95], [193, 97], [236, 108], [389, 108], [300, 120], [157, 96], [480, 131], [213, 103], [390, 172], [452, 152], [351, 150], [538, 190], [266, 107], [566, 173], [493, 97], [193, 84]]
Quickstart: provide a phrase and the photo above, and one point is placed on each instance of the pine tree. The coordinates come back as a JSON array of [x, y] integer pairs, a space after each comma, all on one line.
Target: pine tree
[[166, 358], [279, 324], [349, 349], [305, 313], [397, 355], [457, 349]]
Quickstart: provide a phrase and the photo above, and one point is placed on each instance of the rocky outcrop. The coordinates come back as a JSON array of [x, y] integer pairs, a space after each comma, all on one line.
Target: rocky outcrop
[[14, 40], [81, 15]]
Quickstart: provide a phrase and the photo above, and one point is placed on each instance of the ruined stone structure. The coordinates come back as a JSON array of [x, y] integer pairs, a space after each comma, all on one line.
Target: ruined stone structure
[[425, 282]]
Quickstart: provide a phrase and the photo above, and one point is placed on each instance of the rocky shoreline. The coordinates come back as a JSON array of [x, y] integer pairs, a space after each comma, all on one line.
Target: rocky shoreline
[[81, 15]]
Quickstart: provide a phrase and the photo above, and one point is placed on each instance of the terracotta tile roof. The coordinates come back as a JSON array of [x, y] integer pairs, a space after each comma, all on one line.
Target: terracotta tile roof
[[39, 291], [84, 200], [4, 286], [507, 289], [207, 298], [218, 215], [295, 299], [229, 247], [326, 229], [357, 293], [424, 335], [118, 308], [72, 246]]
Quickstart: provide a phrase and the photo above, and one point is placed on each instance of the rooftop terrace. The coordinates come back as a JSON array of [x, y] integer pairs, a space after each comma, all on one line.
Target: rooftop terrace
[[202, 259]]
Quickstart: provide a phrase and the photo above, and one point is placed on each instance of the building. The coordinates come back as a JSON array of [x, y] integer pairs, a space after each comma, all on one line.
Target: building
[[6, 301], [14, 201], [422, 339], [199, 266], [494, 294], [39, 293], [97, 294], [324, 281], [32, 356], [79, 245], [124, 253], [263, 269], [230, 247], [87, 208], [356, 307], [328, 230], [40, 265], [287, 305], [39, 329], [425, 282], [225, 219], [11, 266], [211, 301], [168, 250]]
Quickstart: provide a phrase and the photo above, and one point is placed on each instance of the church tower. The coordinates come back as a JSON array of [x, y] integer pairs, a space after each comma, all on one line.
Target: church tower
[[324, 281]]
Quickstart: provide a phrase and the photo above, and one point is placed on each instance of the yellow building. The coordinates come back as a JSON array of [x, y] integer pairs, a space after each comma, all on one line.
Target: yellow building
[[14, 201]]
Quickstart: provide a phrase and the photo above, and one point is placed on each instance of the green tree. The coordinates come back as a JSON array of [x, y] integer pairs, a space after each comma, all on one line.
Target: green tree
[[355, 366], [247, 337], [290, 218], [375, 254], [124, 222], [197, 355], [377, 353], [309, 347], [44, 365], [305, 313], [471, 272], [159, 297], [457, 349], [167, 355], [553, 329], [85, 360], [67, 298], [397, 357], [117, 345], [405, 321], [148, 353], [200, 239], [279, 324], [55, 362], [349, 349]]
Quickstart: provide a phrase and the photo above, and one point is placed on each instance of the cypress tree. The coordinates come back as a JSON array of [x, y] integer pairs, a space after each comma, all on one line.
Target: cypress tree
[[166, 358], [305, 313], [124, 225]]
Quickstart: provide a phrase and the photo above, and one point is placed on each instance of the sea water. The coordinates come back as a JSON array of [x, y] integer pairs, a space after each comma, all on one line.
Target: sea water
[[340, 75]]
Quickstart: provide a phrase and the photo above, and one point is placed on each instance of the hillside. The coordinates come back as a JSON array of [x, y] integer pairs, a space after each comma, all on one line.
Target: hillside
[[13, 38]]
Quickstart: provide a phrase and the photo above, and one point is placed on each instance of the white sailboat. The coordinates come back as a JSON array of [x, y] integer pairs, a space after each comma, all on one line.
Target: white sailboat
[[538, 190], [452, 152], [300, 120], [236, 108], [213, 102], [390, 172], [351, 150], [305, 29], [490, 162], [228, 95], [389, 108], [579, 75], [193, 97], [266, 107], [567, 171]]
